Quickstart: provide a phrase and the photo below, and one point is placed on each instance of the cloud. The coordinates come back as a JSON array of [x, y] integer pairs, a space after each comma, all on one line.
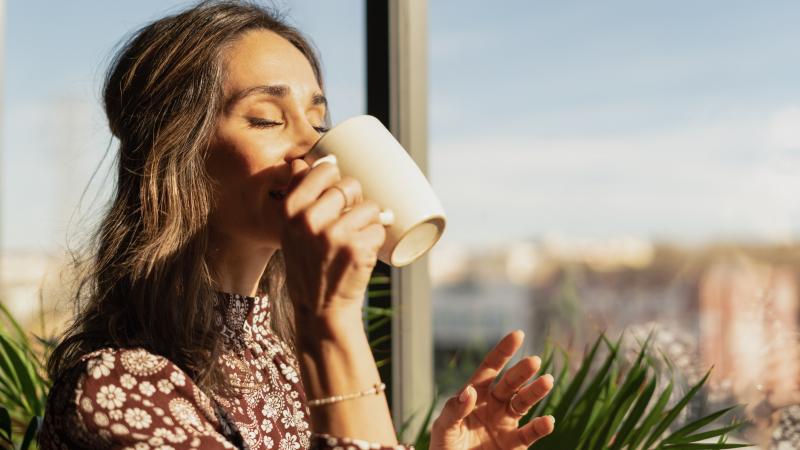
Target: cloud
[[723, 177], [784, 128]]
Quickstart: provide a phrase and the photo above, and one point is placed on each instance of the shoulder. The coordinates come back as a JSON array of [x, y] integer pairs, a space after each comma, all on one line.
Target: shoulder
[[112, 378], [124, 365], [128, 395]]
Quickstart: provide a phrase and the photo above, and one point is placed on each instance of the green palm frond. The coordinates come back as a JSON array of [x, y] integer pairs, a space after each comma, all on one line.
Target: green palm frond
[[608, 404], [23, 383]]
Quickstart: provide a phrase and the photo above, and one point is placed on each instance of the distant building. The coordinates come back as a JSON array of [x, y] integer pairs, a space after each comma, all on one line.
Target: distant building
[[748, 315]]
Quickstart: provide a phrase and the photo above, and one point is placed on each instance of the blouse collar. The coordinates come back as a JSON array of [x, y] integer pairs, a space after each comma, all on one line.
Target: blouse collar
[[236, 316]]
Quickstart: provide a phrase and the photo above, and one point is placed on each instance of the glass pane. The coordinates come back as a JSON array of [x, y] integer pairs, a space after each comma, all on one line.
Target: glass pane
[[622, 166]]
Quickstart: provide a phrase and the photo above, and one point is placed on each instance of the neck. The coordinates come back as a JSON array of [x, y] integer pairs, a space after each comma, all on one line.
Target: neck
[[237, 265]]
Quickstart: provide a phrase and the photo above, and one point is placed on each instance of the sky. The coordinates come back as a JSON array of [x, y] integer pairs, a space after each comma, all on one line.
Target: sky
[[662, 120]]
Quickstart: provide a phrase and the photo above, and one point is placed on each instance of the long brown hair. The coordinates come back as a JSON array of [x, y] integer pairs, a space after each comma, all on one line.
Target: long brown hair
[[144, 279]]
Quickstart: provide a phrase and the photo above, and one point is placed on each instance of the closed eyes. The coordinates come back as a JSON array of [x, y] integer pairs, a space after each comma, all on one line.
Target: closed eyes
[[257, 122]]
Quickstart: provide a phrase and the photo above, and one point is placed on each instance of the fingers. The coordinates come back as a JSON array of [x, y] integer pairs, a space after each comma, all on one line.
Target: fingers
[[515, 377], [307, 186], [362, 218], [358, 234], [374, 235], [496, 359], [456, 409], [531, 394], [324, 211], [359, 216], [536, 429], [349, 190]]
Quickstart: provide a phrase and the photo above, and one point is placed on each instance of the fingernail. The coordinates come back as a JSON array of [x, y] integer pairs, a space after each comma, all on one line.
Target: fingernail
[[542, 426], [386, 217], [464, 394], [325, 159]]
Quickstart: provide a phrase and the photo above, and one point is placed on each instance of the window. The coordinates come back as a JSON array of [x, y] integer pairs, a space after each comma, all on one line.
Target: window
[[619, 166]]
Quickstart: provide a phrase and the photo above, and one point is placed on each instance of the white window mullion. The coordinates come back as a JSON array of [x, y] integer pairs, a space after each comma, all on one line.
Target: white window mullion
[[412, 338]]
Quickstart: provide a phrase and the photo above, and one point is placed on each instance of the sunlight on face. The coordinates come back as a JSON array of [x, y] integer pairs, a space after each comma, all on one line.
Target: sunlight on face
[[274, 112]]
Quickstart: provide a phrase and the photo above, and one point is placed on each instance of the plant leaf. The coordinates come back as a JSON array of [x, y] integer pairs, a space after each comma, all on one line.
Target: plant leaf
[[21, 336], [673, 413], [652, 417], [635, 415], [24, 374], [31, 432], [694, 426], [423, 436], [576, 383], [5, 425], [709, 434]]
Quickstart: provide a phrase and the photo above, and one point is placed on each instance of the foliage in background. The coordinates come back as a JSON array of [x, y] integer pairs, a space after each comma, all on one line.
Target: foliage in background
[[23, 384], [453, 369], [378, 320], [608, 404]]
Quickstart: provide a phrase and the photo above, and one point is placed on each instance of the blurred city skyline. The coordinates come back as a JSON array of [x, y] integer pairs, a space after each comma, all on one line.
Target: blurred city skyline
[[676, 121]]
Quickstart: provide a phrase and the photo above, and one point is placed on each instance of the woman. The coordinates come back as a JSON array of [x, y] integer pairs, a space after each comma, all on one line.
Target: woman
[[187, 337]]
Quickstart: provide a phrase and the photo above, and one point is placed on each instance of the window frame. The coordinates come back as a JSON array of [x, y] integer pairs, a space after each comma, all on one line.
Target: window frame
[[397, 51]]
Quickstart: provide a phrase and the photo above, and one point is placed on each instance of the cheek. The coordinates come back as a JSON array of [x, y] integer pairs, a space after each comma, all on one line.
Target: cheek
[[230, 160], [243, 171], [243, 160]]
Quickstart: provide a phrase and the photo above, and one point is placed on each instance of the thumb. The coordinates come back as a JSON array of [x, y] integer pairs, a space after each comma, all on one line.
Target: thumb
[[457, 408]]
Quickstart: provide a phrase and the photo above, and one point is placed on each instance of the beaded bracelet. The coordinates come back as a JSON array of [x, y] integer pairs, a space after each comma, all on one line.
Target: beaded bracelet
[[376, 389]]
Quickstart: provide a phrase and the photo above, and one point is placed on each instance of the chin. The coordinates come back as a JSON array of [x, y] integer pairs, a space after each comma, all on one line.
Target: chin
[[258, 239]]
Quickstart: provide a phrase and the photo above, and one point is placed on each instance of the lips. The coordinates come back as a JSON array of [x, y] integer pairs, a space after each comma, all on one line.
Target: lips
[[279, 194], [282, 189]]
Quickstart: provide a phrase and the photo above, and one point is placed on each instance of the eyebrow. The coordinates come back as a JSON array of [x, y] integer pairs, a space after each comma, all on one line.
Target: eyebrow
[[273, 90]]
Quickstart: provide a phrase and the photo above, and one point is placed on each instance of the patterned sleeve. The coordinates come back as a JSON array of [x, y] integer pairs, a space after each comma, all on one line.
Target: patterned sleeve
[[132, 399]]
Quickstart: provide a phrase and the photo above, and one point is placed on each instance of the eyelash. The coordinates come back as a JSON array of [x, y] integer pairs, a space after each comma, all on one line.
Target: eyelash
[[263, 123]]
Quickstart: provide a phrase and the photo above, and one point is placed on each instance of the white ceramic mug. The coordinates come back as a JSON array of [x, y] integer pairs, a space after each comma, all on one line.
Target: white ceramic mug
[[365, 150]]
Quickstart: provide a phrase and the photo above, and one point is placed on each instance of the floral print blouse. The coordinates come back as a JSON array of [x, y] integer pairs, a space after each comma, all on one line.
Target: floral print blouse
[[133, 399]]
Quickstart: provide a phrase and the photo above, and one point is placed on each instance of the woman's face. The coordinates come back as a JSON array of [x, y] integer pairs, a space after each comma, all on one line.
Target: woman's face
[[274, 112]]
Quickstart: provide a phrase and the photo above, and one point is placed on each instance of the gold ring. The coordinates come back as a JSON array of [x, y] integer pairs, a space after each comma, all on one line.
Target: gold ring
[[511, 405], [344, 194]]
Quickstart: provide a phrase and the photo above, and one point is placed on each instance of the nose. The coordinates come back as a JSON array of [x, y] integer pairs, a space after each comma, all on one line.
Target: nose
[[304, 138]]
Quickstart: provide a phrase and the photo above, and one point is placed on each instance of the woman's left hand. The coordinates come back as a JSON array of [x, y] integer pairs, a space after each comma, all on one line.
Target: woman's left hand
[[485, 416]]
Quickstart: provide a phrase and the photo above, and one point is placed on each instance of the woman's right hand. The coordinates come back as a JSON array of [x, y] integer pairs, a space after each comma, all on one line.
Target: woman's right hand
[[329, 251]]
